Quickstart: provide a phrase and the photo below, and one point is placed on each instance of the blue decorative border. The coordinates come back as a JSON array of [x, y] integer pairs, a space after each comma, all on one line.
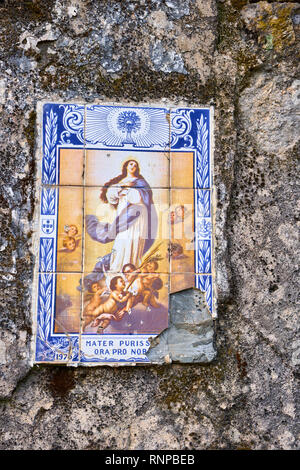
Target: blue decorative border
[[116, 127], [203, 231], [204, 203], [47, 255], [190, 130], [50, 348], [85, 359], [205, 284], [63, 124], [48, 201], [48, 229]]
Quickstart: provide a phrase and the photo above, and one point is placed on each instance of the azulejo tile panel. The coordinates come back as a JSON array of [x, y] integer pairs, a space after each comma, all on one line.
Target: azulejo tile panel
[[125, 219]]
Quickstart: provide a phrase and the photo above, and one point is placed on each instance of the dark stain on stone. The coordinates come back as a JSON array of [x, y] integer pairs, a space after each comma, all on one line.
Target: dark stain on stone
[[61, 382], [238, 4], [138, 83], [242, 364], [29, 130], [34, 10]]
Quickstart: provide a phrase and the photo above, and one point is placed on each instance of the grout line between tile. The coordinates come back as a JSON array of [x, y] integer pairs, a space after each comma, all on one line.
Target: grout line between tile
[[83, 240], [169, 228], [53, 186]]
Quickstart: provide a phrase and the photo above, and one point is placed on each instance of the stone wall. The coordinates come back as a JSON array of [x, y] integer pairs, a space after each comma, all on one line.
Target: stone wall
[[241, 57]]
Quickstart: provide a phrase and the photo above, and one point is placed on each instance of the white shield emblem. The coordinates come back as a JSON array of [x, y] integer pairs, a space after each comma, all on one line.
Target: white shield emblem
[[47, 226]]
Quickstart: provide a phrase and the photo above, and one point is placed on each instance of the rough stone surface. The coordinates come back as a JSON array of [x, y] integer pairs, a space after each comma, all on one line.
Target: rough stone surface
[[242, 57]]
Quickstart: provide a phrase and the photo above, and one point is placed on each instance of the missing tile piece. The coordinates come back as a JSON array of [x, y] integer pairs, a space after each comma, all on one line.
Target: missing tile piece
[[189, 337]]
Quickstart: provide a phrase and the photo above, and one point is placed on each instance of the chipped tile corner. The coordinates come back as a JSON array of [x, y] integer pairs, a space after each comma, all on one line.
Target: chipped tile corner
[[189, 337]]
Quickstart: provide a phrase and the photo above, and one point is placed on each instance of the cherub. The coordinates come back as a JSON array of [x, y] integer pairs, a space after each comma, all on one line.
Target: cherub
[[69, 243], [176, 251], [71, 230], [96, 291], [177, 215], [112, 309], [71, 238], [180, 212], [151, 283]]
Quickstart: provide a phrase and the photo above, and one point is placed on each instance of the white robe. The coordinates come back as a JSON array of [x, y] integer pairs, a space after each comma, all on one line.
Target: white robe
[[128, 245]]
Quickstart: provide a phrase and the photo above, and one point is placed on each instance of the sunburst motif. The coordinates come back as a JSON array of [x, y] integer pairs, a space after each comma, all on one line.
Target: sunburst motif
[[129, 121]]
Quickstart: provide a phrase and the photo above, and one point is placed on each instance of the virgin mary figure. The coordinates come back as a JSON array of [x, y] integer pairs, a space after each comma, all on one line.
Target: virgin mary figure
[[134, 227]]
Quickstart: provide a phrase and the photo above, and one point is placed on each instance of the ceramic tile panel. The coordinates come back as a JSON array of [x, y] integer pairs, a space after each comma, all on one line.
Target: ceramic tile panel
[[58, 307], [125, 219], [125, 225]]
